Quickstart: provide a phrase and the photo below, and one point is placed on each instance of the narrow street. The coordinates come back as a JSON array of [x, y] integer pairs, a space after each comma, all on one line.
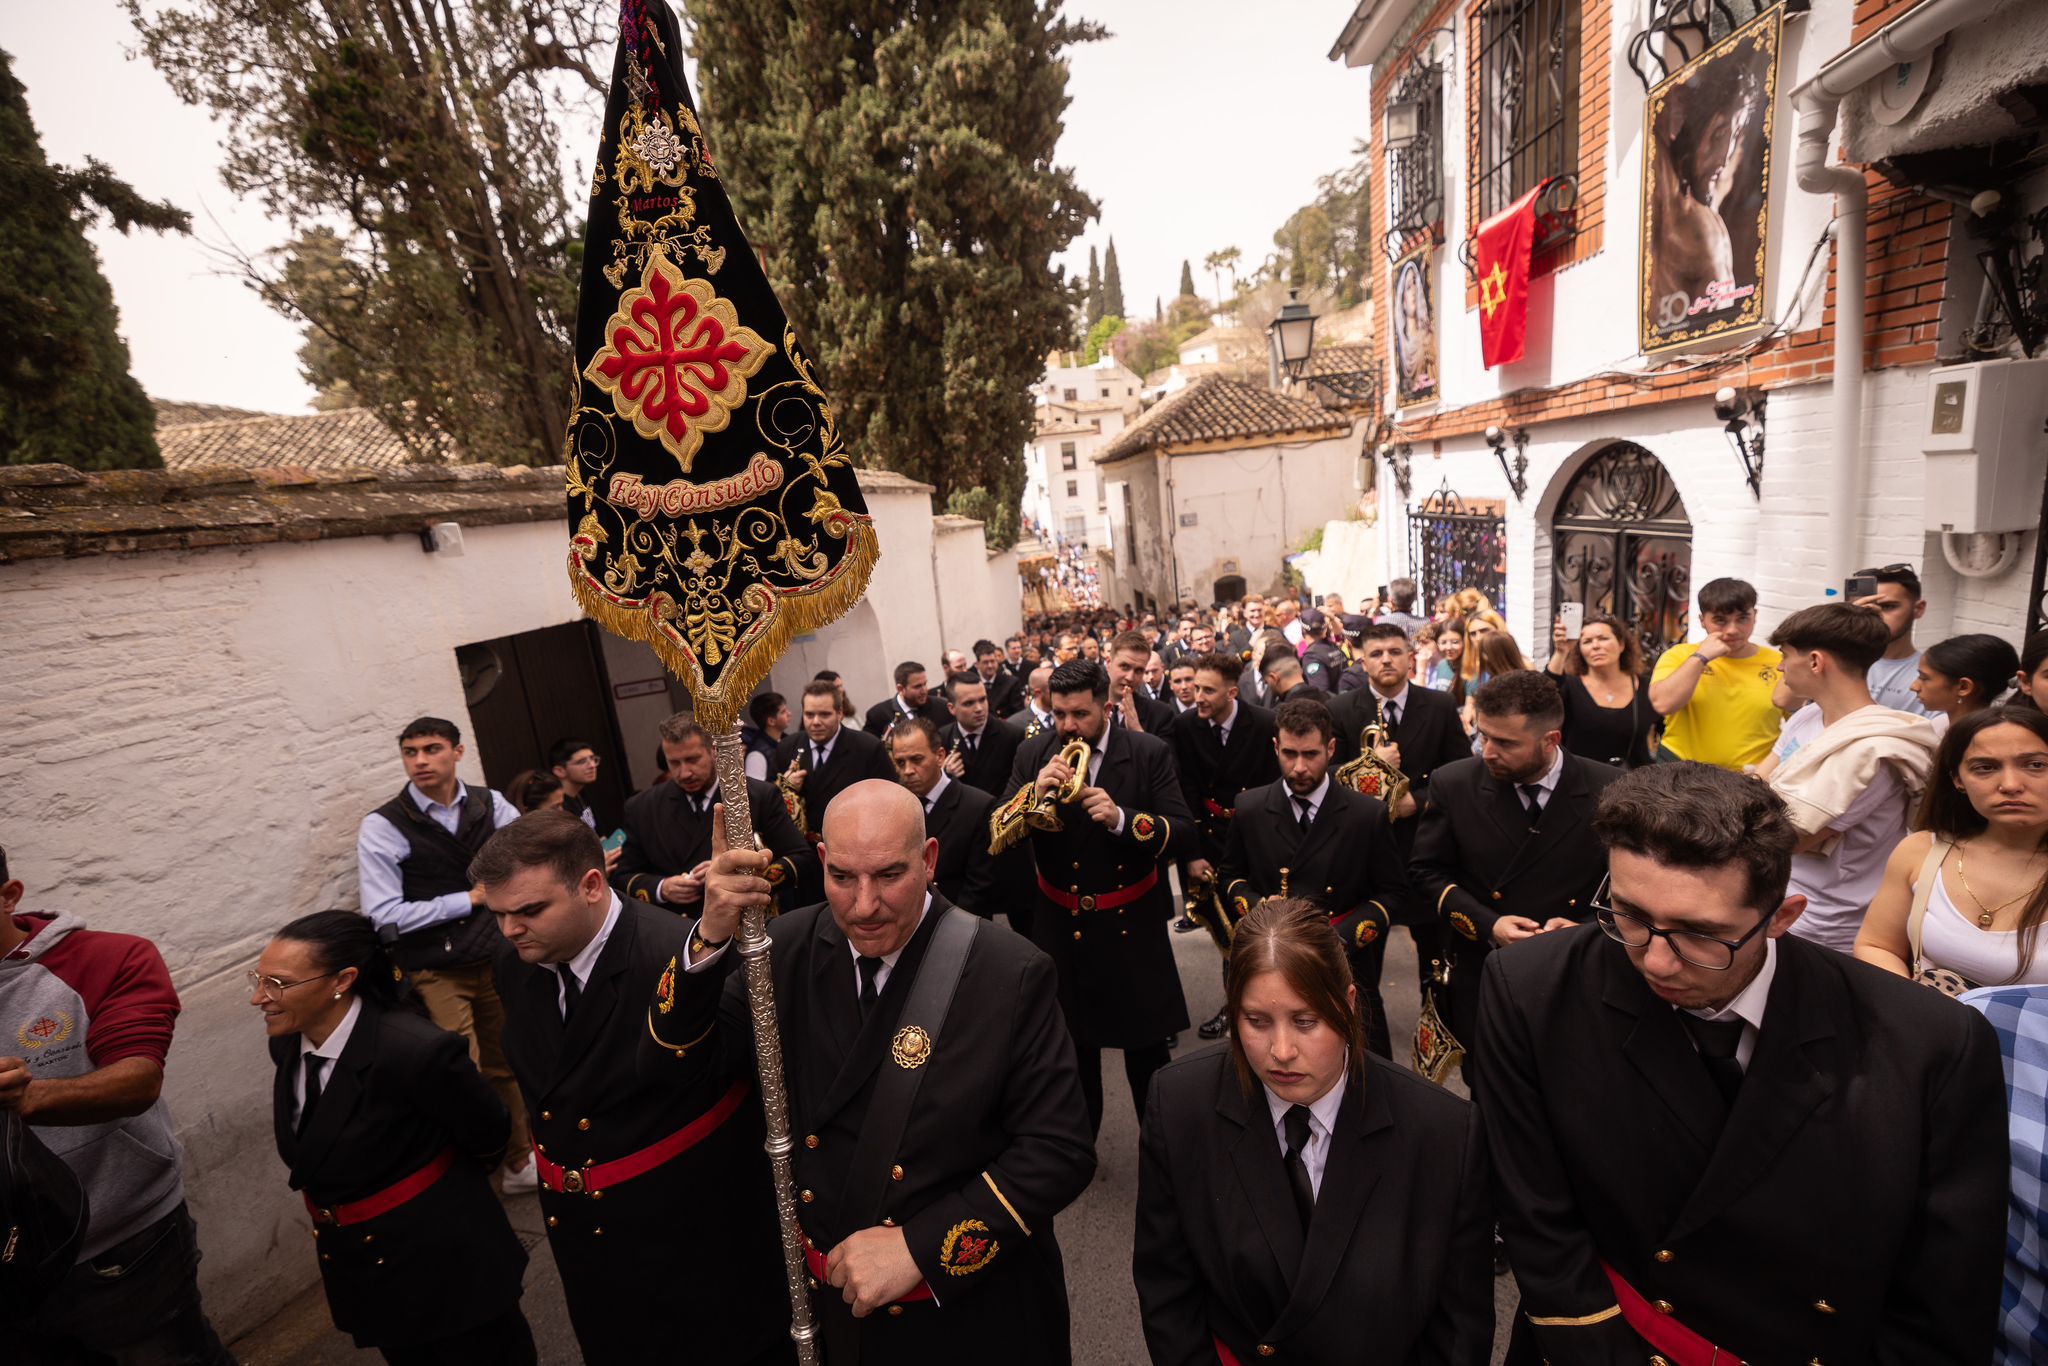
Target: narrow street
[[1095, 1233]]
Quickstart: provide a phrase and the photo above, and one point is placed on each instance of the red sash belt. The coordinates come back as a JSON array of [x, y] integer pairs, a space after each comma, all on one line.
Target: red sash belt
[[384, 1201], [1671, 1338], [1099, 901], [815, 1260], [1217, 808], [1224, 1356], [578, 1181]]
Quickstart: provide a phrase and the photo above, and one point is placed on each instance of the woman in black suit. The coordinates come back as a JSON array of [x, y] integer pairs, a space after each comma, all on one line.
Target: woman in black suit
[[1299, 1199], [391, 1135]]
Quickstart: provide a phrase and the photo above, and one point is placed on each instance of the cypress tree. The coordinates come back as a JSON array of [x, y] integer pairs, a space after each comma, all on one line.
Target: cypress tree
[[66, 396], [1187, 281], [1112, 284], [894, 165], [1092, 313]]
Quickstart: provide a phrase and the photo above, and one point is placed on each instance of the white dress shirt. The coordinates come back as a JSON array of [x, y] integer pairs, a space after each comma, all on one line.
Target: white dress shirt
[[1315, 798], [1548, 782], [380, 846], [1399, 702], [329, 1052], [1322, 1122], [1748, 1005], [821, 753], [933, 795], [1095, 753], [888, 967], [1223, 726], [585, 961]]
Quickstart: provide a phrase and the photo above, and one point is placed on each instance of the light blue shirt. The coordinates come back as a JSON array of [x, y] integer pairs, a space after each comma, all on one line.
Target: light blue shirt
[[1891, 684], [379, 847]]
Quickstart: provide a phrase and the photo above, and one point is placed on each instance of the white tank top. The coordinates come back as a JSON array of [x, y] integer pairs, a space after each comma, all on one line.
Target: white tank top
[[1949, 939]]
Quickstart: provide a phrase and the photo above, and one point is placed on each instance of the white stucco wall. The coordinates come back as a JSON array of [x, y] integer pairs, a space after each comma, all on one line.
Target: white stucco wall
[[1254, 506], [192, 739]]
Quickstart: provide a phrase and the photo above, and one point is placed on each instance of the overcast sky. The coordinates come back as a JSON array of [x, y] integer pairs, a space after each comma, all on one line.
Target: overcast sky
[[1200, 124]]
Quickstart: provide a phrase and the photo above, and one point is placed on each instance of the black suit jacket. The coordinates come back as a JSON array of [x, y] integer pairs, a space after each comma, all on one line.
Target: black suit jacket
[[1212, 775], [664, 837], [1396, 1264], [997, 1144], [1155, 716], [402, 1093], [967, 876], [1005, 692], [988, 767], [1851, 1206], [855, 756], [621, 1077], [884, 714], [1476, 859], [1346, 863], [1118, 983], [1429, 733]]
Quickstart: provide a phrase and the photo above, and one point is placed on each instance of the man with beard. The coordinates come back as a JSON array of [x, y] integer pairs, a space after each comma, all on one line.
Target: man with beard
[[913, 698]]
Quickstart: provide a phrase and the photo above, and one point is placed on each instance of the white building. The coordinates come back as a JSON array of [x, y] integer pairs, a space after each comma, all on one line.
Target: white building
[[1076, 409], [1617, 481]]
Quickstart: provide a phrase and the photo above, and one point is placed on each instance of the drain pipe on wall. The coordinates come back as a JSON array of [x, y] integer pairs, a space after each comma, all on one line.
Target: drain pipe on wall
[[1817, 102]]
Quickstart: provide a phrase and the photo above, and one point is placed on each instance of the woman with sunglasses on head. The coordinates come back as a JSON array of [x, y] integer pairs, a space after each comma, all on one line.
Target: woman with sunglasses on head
[[391, 1135], [1300, 1198], [1963, 674], [1963, 900]]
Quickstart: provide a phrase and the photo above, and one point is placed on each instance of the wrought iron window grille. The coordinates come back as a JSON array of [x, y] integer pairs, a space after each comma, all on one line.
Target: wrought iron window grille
[[1525, 100], [1414, 125], [1680, 30], [1621, 543], [1453, 545], [1517, 473], [1557, 223]]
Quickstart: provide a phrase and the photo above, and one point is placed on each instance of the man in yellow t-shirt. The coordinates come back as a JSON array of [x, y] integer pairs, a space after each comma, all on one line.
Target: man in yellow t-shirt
[[1715, 694]]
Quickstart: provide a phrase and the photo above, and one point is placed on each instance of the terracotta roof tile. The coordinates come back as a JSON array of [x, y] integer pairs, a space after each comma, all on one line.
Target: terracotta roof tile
[[343, 439], [1217, 409]]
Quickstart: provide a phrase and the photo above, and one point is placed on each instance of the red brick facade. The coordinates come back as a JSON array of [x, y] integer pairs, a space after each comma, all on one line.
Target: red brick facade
[[1908, 236]]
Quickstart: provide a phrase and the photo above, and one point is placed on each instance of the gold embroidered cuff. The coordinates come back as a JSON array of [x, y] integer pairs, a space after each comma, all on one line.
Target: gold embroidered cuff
[[1006, 1204]]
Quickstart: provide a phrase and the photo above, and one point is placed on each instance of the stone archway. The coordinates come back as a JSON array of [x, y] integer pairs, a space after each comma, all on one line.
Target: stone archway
[[1229, 588], [1622, 544]]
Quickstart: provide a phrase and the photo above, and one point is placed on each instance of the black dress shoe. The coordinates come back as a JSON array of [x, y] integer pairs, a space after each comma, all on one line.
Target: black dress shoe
[[1216, 1026], [1185, 926]]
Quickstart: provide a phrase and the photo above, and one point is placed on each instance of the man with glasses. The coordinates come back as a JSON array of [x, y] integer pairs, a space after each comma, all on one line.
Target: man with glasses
[[1712, 1141], [1715, 693], [1504, 849]]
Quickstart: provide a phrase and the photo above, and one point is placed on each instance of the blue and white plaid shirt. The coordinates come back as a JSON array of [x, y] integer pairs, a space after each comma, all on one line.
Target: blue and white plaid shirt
[[2020, 1015]]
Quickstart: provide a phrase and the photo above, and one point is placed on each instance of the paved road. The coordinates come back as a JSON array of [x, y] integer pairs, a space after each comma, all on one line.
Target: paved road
[[1095, 1233]]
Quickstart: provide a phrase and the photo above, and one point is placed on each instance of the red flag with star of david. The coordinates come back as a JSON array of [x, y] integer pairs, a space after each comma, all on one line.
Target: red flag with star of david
[[1502, 257]]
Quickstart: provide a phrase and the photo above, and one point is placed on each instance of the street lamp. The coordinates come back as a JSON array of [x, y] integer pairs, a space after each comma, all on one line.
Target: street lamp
[[1517, 474], [1292, 336], [1404, 124]]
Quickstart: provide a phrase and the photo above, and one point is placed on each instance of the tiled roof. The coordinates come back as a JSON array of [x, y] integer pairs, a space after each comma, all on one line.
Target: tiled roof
[[172, 413], [347, 438], [1343, 359], [1217, 409]]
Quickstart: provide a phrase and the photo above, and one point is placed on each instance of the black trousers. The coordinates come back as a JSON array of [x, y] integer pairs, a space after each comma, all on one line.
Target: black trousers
[[504, 1341], [136, 1304], [1139, 1065]]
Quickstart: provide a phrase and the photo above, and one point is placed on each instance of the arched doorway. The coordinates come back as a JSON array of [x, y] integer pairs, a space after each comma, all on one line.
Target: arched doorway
[[1622, 544], [1229, 588]]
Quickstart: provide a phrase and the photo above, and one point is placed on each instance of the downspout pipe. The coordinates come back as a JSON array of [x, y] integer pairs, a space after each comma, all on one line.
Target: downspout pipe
[[1817, 104]]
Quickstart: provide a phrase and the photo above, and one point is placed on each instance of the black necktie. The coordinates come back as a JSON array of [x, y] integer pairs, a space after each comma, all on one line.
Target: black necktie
[[1219, 733], [870, 968], [1532, 797], [313, 1061], [1306, 814], [973, 742], [817, 756], [1390, 717], [572, 990], [1296, 1120], [698, 801], [1716, 1041]]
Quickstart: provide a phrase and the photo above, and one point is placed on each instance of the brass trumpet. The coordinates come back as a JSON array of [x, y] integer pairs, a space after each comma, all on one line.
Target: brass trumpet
[[1205, 906], [1043, 813]]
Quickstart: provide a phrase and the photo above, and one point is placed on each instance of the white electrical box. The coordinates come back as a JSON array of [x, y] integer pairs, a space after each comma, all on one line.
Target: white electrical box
[[1986, 447]]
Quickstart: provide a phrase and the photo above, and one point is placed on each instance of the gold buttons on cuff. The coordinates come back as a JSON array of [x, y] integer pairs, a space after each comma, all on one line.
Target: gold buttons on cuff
[[1265, 1349], [583, 1124], [547, 1114], [810, 1140], [1077, 934], [1822, 1306], [805, 1196], [552, 1221], [1496, 896], [1661, 1306], [894, 1310], [369, 1238], [1666, 1255], [597, 1233], [895, 1173]]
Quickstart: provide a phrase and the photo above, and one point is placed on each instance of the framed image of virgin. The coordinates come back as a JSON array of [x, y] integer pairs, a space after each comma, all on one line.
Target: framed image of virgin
[[1412, 324], [1706, 191]]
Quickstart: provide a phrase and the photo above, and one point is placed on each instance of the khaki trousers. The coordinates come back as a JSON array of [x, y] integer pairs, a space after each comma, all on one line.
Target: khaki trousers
[[464, 1001]]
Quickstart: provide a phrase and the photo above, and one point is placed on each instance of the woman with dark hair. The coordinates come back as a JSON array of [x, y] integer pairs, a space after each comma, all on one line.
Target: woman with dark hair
[[1300, 1198], [535, 789], [1964, 674], [1963, 900], [2033, 674], [391, 1135], [1607, 713]]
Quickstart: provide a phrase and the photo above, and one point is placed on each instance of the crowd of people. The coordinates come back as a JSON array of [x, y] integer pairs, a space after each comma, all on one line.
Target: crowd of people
[[1735, 952], [1070, 576]]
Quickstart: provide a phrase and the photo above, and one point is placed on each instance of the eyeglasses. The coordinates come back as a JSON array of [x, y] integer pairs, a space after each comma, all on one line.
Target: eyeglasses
[[1700, 950], [274, 988]]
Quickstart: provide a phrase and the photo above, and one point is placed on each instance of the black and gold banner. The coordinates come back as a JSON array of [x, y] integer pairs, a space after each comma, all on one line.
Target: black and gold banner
[[715, 508]]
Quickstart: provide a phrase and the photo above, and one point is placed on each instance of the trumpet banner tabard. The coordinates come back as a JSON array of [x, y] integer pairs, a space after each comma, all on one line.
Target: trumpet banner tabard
[[715, 509]]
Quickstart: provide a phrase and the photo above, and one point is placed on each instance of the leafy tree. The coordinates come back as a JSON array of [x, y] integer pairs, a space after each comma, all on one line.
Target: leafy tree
[[1187, 281], [420, 140], [1093, 314], [1151, 347], [1112, 284], [1326, 244], [1158, 309], [1216, 262], [66, 396], [998, 519], [894, 165], [1098, 337]]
